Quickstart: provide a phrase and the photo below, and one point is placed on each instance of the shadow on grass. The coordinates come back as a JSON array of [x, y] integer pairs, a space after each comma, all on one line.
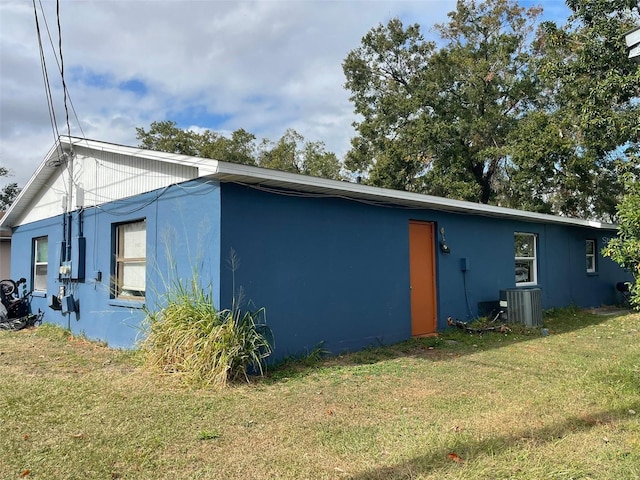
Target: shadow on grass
[[440, 461], [448, 344]]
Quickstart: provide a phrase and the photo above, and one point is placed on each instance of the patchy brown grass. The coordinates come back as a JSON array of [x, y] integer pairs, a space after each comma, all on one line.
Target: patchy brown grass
[[453, 407]]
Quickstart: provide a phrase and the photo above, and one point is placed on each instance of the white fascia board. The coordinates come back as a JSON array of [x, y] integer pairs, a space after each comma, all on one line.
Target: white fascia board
[[42, 173], [240, 173], [635, 52]]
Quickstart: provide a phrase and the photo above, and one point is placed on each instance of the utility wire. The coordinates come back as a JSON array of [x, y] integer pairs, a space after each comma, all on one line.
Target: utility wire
[[47, 89], [45, 76], [64, 85], [60, 65], [68, 94]]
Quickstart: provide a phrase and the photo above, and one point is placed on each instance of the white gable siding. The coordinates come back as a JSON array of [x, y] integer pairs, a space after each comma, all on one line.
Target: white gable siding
[[102, 178], [107, 176], [48, 201]]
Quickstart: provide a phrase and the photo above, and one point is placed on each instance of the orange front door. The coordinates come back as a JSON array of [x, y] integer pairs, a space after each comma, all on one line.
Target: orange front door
[[422, 270]]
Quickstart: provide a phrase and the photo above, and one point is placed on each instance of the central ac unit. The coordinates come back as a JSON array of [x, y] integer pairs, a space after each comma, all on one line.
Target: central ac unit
[[522, 305]]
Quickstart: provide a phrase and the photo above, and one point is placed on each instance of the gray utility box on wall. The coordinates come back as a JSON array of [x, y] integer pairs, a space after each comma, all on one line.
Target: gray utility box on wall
[[522, 305]]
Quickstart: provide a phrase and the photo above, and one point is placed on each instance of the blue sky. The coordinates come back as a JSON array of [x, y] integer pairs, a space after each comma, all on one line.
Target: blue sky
[[264, 66]]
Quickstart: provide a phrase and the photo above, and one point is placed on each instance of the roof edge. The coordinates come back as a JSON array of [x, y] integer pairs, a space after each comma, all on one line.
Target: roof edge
[[231, 172], [257, 175], [23, 198]]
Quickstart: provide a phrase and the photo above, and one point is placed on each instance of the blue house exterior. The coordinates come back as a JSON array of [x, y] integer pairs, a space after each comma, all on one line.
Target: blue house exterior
[[341, 264], [168, 214]]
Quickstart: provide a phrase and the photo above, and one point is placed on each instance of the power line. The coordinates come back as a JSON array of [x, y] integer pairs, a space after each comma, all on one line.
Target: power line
[[64, 85], [47, 89], [45, 76], [66, 90], [66, 93]]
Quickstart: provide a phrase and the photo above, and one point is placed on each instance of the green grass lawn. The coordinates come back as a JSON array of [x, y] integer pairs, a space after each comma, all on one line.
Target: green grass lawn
[[499, 406]]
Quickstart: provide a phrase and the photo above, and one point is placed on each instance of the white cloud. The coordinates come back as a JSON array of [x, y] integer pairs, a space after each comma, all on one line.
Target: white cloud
[[264, 66]]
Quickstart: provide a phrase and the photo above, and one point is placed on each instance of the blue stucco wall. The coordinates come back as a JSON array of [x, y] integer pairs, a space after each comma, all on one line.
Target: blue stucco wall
[[182, 226], [336, 271], [328, 270]]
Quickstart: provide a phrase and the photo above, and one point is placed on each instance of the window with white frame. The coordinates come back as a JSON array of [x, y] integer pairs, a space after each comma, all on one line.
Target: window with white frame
[[130, 260], [590, 250], [525, 258], [40, 263]]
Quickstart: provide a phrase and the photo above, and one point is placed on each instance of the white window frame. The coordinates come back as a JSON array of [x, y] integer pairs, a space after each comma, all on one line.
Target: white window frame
[[532, 260], [126, 262], [592, 266], [40, 265]]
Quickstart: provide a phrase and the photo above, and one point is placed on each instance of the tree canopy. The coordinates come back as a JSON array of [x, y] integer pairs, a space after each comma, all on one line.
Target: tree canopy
[[571, 152], [291, 153], [506, 111], [501, 109], [9, 192], [436, 120]]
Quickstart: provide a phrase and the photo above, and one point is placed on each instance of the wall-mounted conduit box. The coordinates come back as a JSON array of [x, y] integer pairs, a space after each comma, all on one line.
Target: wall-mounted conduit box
[[464, 264], [68, 304], [78, 254]]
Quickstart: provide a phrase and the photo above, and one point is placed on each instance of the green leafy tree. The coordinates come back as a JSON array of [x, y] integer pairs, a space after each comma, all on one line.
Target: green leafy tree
[[165, 136], [291, 153], [283, 155], [625, 248], [437, 120], [9, 192], [498, 115], [569, 154], [318, 162], [240, 148]]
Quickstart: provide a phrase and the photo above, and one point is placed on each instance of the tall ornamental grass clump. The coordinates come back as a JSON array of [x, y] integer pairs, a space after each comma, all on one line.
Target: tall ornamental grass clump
[[210, 347]]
